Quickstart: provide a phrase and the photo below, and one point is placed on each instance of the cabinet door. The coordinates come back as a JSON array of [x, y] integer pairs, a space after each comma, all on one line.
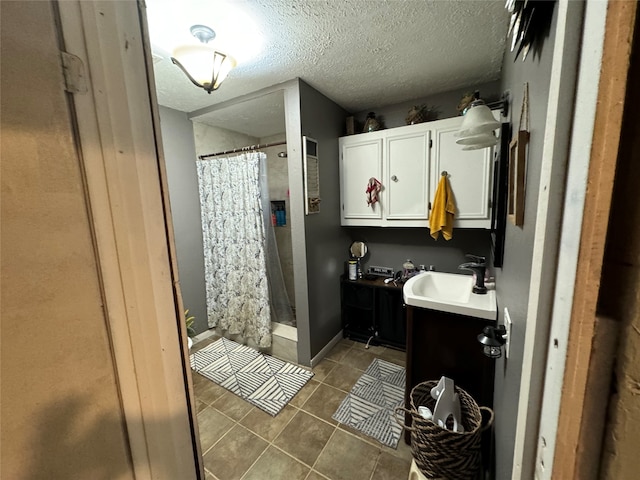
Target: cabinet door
[[391, 322], [360, 160], [469, 175], [407, 176], [358, 311]]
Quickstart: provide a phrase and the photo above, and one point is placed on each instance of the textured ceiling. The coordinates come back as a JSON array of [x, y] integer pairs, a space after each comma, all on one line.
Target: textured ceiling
[[360, 53], [259, 117]]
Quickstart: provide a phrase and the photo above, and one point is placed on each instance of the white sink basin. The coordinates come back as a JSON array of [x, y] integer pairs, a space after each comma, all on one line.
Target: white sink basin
[[449, 292]]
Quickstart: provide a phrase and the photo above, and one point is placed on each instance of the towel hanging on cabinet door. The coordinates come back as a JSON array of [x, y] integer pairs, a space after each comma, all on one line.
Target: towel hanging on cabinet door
[[373, 189]]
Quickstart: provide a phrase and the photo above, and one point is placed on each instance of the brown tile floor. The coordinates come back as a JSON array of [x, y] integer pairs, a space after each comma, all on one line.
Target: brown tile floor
[[302, 442]]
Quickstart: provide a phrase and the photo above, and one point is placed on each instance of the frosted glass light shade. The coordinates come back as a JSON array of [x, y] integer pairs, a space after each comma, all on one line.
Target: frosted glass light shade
[[478, 120], [480, 139], [478, 146], [204, 66]]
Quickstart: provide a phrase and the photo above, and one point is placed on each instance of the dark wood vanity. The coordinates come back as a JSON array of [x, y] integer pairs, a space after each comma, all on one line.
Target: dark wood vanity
[[441, 343], [373, 312]]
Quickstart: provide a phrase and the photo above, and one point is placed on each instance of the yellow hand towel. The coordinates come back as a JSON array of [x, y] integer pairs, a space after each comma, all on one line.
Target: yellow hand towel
[[444, 209]]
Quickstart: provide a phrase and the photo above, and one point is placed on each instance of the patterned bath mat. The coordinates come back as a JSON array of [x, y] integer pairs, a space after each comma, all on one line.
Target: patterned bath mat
[[370, 405], [265, 381]]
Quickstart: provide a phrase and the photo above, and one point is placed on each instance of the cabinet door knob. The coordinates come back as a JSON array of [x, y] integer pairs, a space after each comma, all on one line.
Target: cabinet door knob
[[394, 178]]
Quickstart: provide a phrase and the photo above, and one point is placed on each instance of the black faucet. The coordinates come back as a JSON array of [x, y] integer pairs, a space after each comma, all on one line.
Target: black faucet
[[478, 266]]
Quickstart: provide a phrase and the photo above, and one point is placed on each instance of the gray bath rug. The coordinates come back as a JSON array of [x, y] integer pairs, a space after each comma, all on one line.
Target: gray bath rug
[[265, 381], [370, 405]]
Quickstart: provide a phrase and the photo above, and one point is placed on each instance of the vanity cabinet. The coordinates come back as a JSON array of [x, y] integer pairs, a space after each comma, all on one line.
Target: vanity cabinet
[[373, 312], [441, 343], [399, 159], [408, 161]]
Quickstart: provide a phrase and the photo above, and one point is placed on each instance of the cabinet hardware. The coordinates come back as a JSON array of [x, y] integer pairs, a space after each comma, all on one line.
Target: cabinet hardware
[[394, 178]]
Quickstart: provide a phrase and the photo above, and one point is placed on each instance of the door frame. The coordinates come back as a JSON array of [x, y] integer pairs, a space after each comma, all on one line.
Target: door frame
[[118, 134], [546, 248], [567, 267], [575, 452]]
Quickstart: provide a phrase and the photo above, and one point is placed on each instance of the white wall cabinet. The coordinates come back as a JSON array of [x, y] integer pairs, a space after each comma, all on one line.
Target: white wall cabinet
[[399, 159], [470, 174], [360, 159], [408, 161]]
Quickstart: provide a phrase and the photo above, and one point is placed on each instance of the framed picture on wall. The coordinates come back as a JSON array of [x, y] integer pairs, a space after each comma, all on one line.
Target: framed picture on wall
[[500, 195], [517, 177]]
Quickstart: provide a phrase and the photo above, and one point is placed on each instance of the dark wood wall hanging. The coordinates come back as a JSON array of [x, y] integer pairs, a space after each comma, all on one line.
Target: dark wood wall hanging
[[518, 164]]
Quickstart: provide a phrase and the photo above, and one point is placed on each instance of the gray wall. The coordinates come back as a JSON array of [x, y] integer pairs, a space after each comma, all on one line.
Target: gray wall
[[390, 247], [180, 160], [210, 139], [326, 241], [445, 103], [513, 280]]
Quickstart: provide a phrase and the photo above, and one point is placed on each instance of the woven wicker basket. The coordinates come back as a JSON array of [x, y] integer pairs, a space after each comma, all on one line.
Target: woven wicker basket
[[440, 453]]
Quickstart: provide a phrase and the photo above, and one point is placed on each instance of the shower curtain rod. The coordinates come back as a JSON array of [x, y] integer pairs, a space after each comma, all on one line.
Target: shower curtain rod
[[248, 148]]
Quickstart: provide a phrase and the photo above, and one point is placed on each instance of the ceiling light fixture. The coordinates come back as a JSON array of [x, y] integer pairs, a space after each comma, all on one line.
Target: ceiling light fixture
[[201, 63], [478, 126]]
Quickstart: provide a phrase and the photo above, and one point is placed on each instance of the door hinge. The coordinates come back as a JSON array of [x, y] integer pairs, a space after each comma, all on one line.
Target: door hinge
[[75, 80], [430, 143], [429, 205]]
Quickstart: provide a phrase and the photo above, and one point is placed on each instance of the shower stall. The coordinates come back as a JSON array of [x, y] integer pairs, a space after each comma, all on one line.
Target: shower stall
[[230, 198], [258, 120]]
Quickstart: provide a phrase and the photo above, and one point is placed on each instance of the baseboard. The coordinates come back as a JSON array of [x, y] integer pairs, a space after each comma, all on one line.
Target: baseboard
[[285, 331], [278, 329], [326, 349], [204, 335]]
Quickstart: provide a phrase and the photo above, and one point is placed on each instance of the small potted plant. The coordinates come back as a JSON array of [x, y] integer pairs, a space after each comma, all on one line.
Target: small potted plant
[[189, 319]]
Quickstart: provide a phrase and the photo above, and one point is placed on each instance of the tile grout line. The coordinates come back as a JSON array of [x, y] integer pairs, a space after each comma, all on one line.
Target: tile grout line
[[375, 466], [216, 442], [272, 444], [295, 458], [269, 443], [371, 442], [317, 473], [324, 448], [257, 459], [236, 422]]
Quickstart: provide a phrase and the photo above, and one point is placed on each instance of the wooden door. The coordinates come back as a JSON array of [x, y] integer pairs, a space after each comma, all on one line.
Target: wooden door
[[95, 346]]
